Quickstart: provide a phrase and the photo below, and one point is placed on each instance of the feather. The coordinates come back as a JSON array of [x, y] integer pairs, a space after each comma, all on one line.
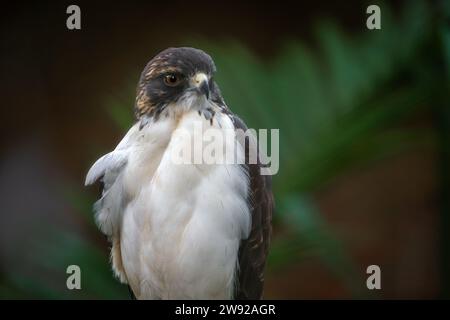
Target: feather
[[107, 167], [253, 250]]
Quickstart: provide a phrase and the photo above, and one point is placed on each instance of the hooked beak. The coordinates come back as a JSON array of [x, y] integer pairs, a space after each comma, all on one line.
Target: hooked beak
[[201, 84]]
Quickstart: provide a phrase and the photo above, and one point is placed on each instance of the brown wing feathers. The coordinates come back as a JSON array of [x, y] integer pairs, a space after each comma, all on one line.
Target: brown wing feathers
[[253, 251]]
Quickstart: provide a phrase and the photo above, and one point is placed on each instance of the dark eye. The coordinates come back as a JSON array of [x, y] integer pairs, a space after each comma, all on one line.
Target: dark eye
[[172, 79]]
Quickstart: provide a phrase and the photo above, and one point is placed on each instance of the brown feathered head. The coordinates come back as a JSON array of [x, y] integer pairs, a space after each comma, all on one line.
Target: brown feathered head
[[176, 76]]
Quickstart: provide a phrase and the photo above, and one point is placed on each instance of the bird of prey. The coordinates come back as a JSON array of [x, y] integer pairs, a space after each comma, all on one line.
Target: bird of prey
[[189, 230]]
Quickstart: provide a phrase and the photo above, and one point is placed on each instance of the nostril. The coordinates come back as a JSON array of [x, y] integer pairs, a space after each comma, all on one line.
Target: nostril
[[199, 78]]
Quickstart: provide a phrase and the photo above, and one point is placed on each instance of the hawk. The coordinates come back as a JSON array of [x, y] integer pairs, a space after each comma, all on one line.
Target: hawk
[[183, 230]]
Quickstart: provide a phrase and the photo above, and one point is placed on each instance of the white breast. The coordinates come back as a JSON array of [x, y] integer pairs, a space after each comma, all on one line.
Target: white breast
[[180, 231]]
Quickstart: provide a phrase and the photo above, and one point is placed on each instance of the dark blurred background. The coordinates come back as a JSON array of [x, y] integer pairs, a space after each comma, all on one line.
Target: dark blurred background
[[364, 135]]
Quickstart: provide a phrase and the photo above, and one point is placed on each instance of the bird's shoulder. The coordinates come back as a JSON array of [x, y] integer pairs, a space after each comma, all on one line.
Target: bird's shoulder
[[109, 165]]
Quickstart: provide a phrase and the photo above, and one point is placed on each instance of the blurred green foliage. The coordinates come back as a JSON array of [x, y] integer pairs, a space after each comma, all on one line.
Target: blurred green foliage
[[340, 106]]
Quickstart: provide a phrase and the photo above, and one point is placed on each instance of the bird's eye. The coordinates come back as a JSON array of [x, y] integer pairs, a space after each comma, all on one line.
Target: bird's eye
[[172, 79]]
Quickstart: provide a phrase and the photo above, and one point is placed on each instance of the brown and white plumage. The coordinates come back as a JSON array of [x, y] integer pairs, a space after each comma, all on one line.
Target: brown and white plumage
[[183, 231], [253, 250]]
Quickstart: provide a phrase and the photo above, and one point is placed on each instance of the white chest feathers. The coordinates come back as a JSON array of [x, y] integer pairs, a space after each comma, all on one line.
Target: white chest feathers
[[176, 226]]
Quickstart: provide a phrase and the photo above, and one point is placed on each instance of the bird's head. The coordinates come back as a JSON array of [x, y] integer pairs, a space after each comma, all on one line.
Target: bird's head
[[176, 80]]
